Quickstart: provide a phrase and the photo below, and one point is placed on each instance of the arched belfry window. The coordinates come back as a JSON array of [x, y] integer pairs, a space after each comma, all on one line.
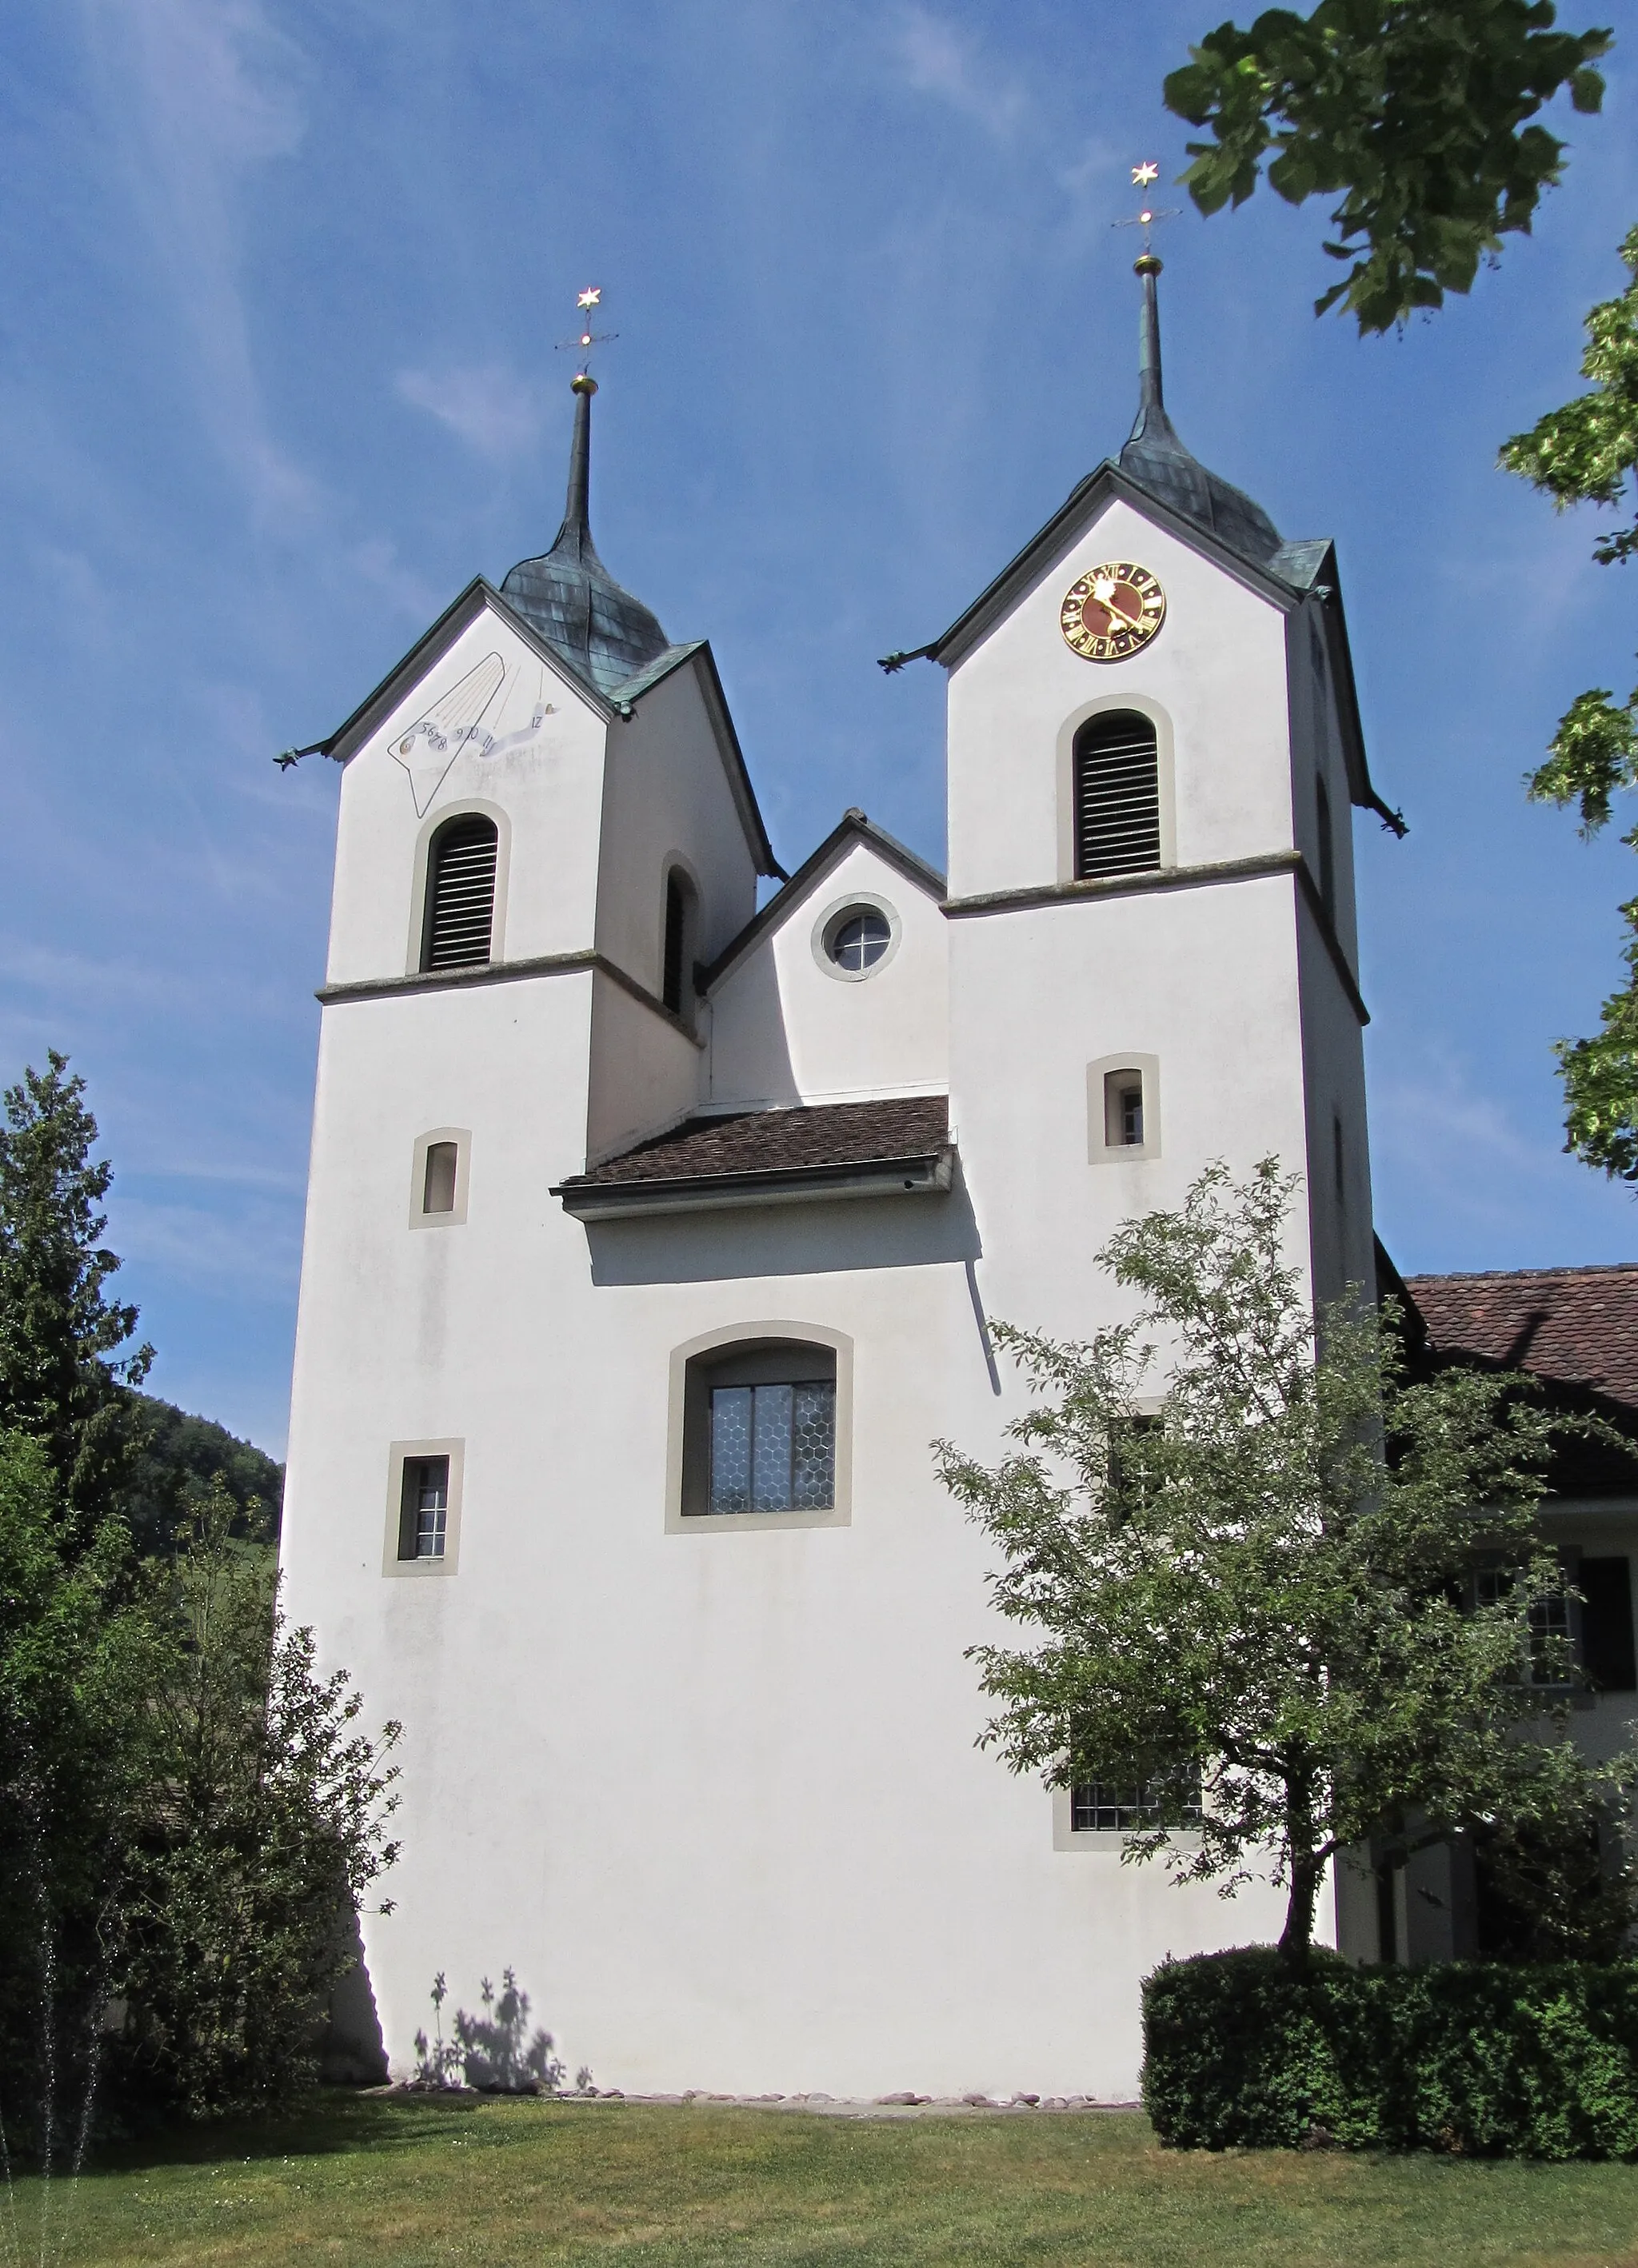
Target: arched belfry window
[[1116, 788], [460, 894], [1327, 848], [677, 952]]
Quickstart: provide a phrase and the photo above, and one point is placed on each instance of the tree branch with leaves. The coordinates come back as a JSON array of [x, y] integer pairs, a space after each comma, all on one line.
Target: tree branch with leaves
[[1587, 452], [1420, 115], [1281, 1610]]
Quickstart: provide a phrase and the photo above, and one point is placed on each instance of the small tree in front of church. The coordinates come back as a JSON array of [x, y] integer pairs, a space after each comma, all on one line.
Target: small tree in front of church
[[1306, 1591]]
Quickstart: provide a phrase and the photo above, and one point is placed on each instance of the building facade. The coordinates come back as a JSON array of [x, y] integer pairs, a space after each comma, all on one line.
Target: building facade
[[652, 1238]]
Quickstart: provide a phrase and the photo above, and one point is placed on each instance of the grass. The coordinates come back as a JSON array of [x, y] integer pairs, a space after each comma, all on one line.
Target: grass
[[398, 2183]]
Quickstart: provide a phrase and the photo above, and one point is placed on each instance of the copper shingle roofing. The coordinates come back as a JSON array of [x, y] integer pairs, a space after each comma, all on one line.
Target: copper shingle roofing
[[901, 1128], [1577, 1326]]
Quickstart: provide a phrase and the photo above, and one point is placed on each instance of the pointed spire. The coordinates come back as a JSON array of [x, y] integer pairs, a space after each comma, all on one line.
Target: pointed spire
[[574, 537], [569, 595], [1157, 460], [1151, 423], [1148, 333]]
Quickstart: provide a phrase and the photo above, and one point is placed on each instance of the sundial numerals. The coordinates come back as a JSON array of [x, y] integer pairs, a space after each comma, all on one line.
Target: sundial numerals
[[1113, 611]]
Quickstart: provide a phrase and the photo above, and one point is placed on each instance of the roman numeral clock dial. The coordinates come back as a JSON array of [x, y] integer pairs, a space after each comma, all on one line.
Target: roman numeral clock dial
[[1111, 611]]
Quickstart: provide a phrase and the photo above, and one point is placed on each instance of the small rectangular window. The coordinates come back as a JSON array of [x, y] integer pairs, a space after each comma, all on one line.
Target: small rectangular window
[[1130, 1466], [1123, 1109], [437, 1192], [1100, 1807], [424, 1518]]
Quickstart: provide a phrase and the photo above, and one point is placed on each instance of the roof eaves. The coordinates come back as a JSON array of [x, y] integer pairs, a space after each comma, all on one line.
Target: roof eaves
[[1327, 589], [674, 656], [1050, 542], [920, 1172], [462, 609], [852, 827]]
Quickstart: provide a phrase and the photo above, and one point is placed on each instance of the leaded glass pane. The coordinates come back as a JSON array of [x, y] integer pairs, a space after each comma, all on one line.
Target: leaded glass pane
[[731, 1448], [771, 1451], [813, 1448]]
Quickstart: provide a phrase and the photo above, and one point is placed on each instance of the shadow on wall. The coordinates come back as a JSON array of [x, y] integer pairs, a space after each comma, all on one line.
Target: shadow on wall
[[354, 2053], [751, 1052], [787, 1239], [495, 2052]]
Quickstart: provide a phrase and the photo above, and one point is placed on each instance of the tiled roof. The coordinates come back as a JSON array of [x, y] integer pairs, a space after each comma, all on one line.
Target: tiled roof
[[813, 1136], [1575, 1326]]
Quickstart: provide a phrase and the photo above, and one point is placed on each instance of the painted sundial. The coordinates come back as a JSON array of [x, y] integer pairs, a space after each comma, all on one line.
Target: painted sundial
[[457, 721]]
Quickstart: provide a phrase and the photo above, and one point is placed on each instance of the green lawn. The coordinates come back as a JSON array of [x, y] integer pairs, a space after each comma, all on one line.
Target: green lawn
[[396, 2183]]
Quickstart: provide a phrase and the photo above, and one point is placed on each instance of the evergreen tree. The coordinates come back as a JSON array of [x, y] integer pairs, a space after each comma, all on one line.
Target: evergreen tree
[[67, 1364]]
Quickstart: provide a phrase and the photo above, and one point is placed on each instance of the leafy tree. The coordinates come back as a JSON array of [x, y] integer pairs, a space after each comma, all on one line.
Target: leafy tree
[[1586, 453], [66, 1361], [1417, 111], [79, 1660], [176, 1459], [265, 1827], [1245, 1597]]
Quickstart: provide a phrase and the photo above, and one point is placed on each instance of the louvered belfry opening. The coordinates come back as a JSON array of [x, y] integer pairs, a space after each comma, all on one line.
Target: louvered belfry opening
[[1117, 796], [459, 895]]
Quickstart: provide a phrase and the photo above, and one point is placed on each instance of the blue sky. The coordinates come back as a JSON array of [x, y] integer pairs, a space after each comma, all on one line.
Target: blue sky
[[283, 284]]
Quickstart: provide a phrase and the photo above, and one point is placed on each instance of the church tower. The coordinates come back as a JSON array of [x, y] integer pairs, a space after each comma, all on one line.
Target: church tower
[[652, 1237]]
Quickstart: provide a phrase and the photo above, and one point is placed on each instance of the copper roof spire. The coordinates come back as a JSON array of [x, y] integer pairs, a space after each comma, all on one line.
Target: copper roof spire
[[567, 593], [1154, 457]]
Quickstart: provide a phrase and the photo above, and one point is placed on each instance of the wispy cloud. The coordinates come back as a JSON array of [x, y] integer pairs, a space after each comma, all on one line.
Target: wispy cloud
[[938, 59], [256, 1251], [196, 94], [487, 405]]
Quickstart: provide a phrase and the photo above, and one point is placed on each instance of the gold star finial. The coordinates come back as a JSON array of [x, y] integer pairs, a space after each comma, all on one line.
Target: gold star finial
[[1142, 175], [586, 338]]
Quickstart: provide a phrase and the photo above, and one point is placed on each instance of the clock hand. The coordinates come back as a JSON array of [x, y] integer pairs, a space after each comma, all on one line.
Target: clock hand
[[1117, 613]]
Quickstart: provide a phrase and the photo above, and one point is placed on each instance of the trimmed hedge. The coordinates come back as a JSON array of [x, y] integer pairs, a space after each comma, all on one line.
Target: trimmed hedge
[[1468, 2056]]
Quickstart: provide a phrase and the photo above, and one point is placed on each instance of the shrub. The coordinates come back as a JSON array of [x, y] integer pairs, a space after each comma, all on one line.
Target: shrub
[[1541, 2062]]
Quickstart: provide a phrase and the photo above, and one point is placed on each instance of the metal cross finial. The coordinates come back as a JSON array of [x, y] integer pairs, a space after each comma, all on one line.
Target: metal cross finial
[[1141, 177], [586, 337]]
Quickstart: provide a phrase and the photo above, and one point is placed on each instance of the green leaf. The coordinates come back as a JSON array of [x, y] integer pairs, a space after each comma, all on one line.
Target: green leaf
[[1420, 111]]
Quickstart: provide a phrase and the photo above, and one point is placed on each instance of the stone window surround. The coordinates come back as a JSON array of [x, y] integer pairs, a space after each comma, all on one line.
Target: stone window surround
[[1140, 704], [840, 1514], [836, 911], [398, 1455], [462, 807], [455, 1218], [1100, 1150]]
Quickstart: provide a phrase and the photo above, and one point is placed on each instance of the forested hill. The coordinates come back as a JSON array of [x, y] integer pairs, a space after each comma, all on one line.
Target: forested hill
[[181, 1450]]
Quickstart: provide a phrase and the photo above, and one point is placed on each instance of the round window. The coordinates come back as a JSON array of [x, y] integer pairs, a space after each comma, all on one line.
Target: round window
[[858, 941]]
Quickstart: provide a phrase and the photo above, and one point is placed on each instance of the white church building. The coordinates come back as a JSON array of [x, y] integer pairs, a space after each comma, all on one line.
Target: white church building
[[652, 1238]]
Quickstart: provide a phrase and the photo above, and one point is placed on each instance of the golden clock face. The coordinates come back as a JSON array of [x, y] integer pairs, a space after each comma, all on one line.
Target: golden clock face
[[1111, 611]]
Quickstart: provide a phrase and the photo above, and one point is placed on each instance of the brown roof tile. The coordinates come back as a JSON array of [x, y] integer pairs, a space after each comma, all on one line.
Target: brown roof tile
[[1576, 1325], [812, 1135]]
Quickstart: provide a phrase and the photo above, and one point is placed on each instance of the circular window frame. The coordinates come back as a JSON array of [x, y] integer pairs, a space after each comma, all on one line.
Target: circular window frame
[[841, 909]]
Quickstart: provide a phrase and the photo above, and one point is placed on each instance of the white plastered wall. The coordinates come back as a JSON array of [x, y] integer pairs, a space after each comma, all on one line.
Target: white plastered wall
[[785, 1029], [665, 797], [1215, 675], [546, 795], [716, 1795]]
